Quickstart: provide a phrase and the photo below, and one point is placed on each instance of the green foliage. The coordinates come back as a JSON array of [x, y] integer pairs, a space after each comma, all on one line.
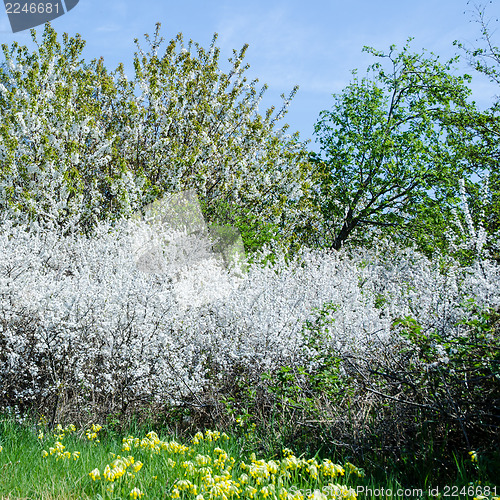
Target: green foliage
[[94, 145], [385, 164], [476, 134], [457, 378], [84, 464], [254, 232], [433, 400]]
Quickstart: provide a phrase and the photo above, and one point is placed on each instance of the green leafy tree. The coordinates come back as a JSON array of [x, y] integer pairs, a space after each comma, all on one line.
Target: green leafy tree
[[385, 163]]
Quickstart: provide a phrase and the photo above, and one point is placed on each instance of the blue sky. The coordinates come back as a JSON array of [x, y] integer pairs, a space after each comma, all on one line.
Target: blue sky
[[313, 44]]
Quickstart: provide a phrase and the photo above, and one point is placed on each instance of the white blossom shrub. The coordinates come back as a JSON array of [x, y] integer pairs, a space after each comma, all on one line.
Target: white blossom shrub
[[82, 328], [435, 373]]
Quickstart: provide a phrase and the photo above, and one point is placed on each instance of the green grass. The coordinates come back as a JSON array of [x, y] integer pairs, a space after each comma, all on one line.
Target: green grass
[[212, 464]]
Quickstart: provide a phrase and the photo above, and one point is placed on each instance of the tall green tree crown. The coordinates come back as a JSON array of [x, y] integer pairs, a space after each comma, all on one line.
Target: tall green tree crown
[[385, 161]]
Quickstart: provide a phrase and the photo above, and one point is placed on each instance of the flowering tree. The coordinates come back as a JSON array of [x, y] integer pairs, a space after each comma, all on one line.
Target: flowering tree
[[79, 144], [477, 135], [323, 339], [55, 142]]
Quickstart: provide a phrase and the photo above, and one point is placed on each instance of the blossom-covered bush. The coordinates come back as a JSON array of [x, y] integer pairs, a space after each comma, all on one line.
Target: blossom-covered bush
[[83, 328], [424, 390]]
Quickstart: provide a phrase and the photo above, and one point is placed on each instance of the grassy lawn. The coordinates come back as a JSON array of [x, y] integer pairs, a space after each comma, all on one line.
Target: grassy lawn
[[70, 463]]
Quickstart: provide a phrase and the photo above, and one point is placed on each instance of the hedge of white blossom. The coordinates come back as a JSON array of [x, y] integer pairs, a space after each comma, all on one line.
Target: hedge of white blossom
[[82, 328], [103, 314]]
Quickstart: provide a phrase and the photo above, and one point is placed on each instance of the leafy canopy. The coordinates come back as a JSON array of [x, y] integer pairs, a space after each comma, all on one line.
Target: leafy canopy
[[385, 163], [478, 134]]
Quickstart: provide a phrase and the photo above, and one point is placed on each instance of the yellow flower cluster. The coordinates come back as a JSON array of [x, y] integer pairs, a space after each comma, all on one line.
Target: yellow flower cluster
[[207, 471], [118, 467], [333, 470], [260, 470], [223, 461], [60, 432], [210, 477], [221, 486], [136, 493], [274, 473], [184, 485], [92, 433], [352, 469], [210, 436], [203, 460], [95, 474], [58, 450], [291, 462], [153, 443], [211, 473], [341, 491]]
